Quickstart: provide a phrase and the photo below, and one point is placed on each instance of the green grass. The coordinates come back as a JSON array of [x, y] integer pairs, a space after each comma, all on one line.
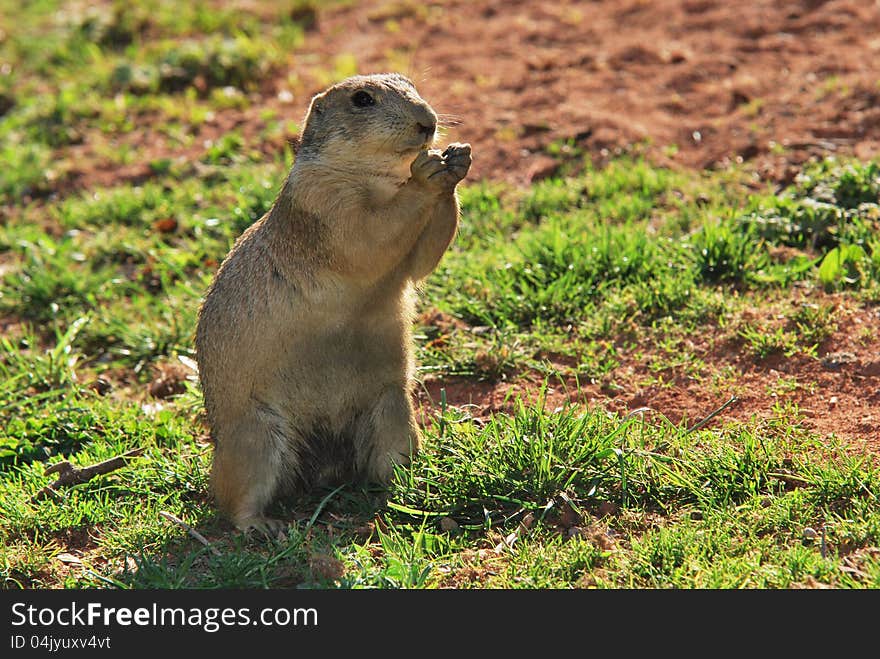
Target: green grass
[[531, 498], [573, 280], [672, 509], [108, 68]]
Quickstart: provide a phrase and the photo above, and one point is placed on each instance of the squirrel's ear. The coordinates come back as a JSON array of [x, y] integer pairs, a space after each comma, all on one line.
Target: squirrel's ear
[[318, 103]]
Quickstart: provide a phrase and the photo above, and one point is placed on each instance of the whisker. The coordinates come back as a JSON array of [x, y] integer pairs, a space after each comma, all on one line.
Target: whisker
[[425, 69], [448, 120]]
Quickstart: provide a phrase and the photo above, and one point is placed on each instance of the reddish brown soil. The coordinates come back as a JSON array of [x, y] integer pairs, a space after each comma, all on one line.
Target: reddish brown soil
[[700, 83], [688, 83], [837, 394], [521, 74]]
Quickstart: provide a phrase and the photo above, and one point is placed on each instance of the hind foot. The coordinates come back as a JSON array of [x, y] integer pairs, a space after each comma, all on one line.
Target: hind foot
[[268, 527]]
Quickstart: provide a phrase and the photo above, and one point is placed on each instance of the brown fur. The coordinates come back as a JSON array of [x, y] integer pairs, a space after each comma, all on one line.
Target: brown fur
[[304, 337]]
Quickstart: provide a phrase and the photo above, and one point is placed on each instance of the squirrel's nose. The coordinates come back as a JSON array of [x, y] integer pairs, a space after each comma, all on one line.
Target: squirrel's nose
[[428, 129]]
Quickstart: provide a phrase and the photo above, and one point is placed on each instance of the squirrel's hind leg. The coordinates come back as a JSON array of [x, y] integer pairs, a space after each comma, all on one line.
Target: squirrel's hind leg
[[247, 473]]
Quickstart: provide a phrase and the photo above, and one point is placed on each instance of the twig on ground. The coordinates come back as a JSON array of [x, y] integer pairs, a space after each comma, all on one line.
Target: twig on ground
[[700, 424], [70, 475], [638, 410], [186, 527]]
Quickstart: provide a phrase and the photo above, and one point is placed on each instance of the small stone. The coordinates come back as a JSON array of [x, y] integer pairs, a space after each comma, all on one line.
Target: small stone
[[448, 524], [69, 559], [165, 225], [101, 386], [810, 533], [835, 360]]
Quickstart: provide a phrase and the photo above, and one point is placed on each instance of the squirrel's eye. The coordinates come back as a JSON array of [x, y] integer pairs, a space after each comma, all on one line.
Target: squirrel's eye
[[362, 99]]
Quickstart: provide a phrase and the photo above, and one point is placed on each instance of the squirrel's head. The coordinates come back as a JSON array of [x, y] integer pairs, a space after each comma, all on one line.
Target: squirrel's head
[[366, 121]]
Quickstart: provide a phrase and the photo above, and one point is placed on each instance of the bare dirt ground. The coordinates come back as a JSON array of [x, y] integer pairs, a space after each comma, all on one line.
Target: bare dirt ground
[[719, 80], [838, 394], [697, 83], [689, 83]]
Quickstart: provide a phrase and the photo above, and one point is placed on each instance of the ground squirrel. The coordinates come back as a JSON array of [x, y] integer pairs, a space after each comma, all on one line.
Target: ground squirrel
[[304, 339]]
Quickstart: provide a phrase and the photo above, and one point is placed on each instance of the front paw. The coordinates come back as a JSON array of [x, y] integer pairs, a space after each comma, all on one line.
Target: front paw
[[442, 170]]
